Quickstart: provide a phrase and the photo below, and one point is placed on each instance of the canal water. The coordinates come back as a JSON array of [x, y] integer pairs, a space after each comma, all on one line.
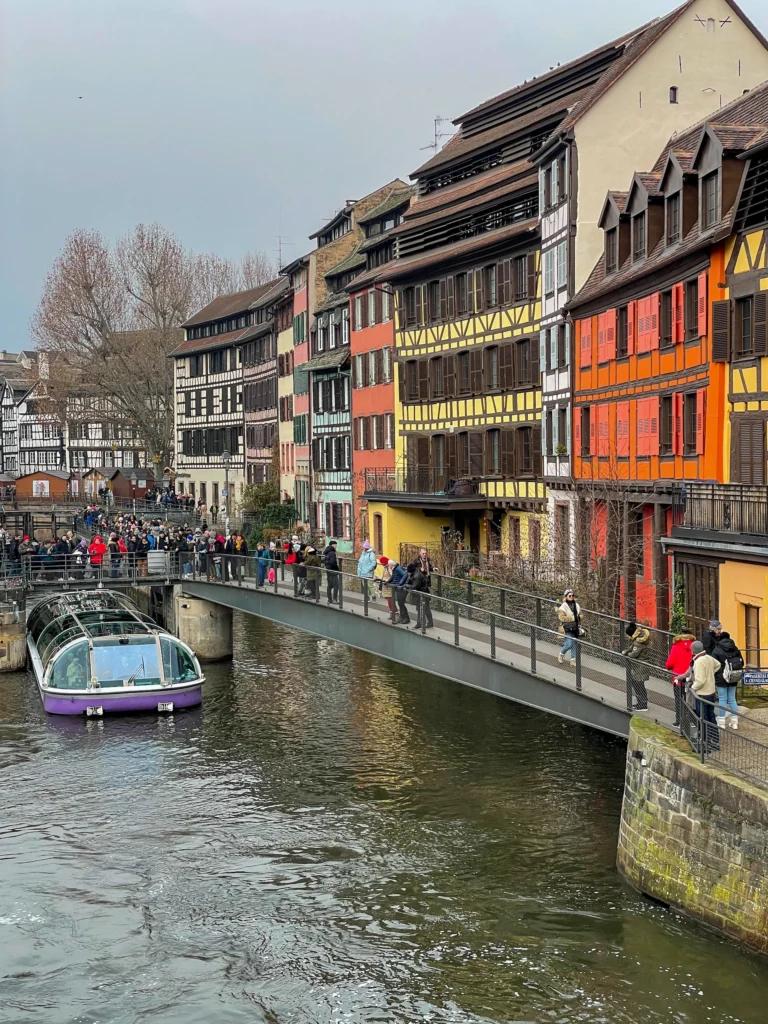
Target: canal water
[[332, 838]]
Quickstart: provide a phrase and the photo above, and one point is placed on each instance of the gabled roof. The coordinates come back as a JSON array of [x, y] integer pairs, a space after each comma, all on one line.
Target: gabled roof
[[278, 288], [228, 305], [398, 197], [327, 360], [618, 200], [355, 259], [337, 218], [332, 301]]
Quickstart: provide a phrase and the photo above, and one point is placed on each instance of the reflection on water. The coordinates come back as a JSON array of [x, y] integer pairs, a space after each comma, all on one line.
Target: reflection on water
[[332, 838]]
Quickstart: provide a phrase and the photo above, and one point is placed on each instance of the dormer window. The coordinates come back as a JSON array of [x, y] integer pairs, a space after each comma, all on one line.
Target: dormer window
[[673, 218], [709, 200], [612, 251], [638, 236]]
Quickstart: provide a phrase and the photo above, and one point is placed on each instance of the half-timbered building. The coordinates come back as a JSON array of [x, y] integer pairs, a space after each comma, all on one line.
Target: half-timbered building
[[260, 398], [720, 536], [372, 345], [208, 375], [41, 433], [650, 383], [283, 312]]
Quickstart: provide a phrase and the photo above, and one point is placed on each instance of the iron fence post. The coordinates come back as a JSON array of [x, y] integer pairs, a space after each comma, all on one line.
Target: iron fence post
[[439, 585], [318, 581], [275, 587], [422, 614], [578, 665], [469, 599], [533, 650], [341, 592], [295, 584], [702, 734], [282, 570], [628, 669], [502, 602], [538, 611], [456, 624], [493, 637], [365, 598]]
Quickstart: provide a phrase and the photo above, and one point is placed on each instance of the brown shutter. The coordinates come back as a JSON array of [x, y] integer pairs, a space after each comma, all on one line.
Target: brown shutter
[[443, 299], [355, 381], [449, 376], [536, 443], [508, 452], [411, 450], [501, 285], [419, 305], [423, 380], [751, 452], [506, 367], [356, 433], [535, 357], [462, 453], [451, 305], [470, 292], [721, 330], [450, 456], [400, 371], [379, 365], [476, 452], [761, 323], [479, 291], [476, 371], [531, 279]]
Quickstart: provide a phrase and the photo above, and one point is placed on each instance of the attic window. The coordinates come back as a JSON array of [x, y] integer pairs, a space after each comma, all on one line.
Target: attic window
[[709, 199], [611, 251], [638, 236], [673, 218], [673, 94]]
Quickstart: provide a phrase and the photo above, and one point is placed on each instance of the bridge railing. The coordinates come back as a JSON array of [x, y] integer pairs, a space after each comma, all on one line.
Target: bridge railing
[[602, 630], [599, 672]]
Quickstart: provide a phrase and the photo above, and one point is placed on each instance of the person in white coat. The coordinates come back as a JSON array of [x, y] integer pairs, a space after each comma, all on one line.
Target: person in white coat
[[569, 614]]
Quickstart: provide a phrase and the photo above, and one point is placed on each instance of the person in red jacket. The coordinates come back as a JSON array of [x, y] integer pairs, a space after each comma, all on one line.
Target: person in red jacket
[[97, 549], [678, 663]]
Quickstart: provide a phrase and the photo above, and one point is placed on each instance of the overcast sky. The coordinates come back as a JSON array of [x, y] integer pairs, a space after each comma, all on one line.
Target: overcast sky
[[233, 121]]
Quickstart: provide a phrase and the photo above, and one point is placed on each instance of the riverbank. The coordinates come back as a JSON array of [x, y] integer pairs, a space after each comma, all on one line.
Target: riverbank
[[694, 836]]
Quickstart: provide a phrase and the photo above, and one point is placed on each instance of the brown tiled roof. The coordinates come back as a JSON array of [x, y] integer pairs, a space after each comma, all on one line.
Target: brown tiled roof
[[598, 284], [404, 267], [650, 181], [474, 143], [475, 202], [620, 198], [738, 138], [208, 344], [279, 287], [524, 87], [355, 259], [228, 305], [375, 275], [398, 197], [376, 241], [332, 301], [454, 193]]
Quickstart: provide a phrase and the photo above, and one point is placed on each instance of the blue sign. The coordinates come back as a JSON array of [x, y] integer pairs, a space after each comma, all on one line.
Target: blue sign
[[754, 677]]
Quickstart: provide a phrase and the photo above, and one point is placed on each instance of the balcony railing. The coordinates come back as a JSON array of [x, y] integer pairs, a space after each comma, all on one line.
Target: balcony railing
[[420, 480], [729, 508]]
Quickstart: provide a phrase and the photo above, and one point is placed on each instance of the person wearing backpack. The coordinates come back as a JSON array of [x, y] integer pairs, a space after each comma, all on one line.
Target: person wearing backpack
[[727, 678]]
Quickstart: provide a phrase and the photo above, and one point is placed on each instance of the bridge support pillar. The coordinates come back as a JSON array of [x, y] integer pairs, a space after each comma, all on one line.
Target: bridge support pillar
[[206, 627], [13, 644]]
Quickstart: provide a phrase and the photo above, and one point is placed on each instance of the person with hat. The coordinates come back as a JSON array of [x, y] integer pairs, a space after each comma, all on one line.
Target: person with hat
[[331, 563], [678, 663], [312, 563], [569, 614], [366, 565], [637, 650], [704, 689]]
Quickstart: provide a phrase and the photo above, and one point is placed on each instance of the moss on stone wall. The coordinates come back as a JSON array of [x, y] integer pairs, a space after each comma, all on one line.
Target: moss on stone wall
[[694, 837]]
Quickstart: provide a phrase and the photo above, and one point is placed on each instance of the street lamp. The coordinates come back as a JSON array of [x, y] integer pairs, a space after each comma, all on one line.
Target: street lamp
[[134, 481], [226, 458]]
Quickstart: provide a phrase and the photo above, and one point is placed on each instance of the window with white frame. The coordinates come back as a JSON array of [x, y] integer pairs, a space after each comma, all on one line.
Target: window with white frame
[[389, 430], [359, 382], [372, 307], [386, 365], [562, 265], [371, 369], [345, 327], [332, 332], [359, 313], [549, 272], [386, 306], [320, 337]]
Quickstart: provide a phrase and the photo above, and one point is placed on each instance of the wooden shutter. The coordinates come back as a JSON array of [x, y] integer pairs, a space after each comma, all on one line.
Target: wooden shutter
[[506, 367], [603, 439], [450, 304], [760, 324], [631, 315], [677, 424], [622, 430], [544, 345], [641, 427], [443, 299], [400, 371], [678, 313], [479, 291], [507, 447], [751, 452], [653, 320], [451, 463], [585, 342], [449, 376], [476, 371], [356, 433], [364, 369], [593, 430], [577, 429], [501, 285], [536, 447], [531, 277], [721, 331], [610, 334], [641, 336], [701, 306], [476, 453], [701, 412], [601, 338], [355, 381], [423, 380], [535, 368], [653, 425], [419, 305], [470, 292]]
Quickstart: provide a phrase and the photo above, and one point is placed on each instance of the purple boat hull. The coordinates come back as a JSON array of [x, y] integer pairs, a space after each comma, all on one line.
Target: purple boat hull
[[56, 704]]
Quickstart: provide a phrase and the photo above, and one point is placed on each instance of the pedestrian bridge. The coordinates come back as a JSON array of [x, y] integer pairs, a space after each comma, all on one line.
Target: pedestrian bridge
[[469, 643]]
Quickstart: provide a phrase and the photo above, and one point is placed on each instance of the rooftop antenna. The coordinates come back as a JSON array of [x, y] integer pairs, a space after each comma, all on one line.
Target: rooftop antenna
[[280, 243], [435, 144]]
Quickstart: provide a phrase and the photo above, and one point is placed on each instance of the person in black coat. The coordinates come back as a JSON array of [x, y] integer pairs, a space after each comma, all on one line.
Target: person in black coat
[[331, 563], [420, 587]]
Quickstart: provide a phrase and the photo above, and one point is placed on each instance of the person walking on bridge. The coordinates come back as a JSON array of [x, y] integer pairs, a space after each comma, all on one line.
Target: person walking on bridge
[[420, 570], [331, 563], [569, 614], [638, 652], [366, 567]]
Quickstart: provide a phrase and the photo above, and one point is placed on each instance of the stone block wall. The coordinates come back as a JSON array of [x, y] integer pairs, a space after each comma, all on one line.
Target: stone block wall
[[695, 837]]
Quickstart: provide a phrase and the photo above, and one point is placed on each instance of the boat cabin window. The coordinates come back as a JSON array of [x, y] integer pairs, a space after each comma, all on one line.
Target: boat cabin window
[[129, 661], [71, 670], [179, 665]]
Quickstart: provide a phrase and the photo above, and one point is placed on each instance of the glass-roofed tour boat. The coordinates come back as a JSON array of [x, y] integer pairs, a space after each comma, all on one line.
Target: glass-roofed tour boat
[[94, 653]]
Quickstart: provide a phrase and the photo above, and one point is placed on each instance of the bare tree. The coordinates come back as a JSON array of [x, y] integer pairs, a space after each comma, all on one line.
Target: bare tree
[[107, 321]]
